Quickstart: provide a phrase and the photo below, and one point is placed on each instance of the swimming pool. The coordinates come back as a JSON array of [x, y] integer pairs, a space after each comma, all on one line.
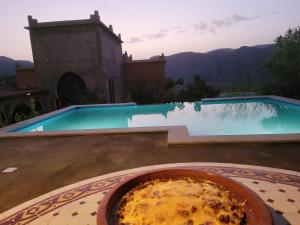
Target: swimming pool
[[216, 117]]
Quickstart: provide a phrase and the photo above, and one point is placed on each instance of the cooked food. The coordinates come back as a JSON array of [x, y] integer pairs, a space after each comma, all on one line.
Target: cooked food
[[180, 202]]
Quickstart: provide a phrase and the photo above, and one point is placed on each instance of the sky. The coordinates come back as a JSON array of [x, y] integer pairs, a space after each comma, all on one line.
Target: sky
[[149, 28]]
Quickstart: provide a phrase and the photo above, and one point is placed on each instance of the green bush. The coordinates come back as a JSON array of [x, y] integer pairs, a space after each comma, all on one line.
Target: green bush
[[18, 117], [284, 65], [2, 120], [142, 94], [198, 90]]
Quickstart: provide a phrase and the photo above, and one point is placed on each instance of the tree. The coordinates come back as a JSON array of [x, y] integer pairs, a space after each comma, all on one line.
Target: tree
[[198, 90], [142, 94], [33, 112], [2, 120], [284, 65], [170, 83]]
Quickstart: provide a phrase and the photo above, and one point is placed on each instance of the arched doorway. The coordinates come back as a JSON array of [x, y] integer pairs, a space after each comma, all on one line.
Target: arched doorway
[[38, 106], [2, 119], [71, 89], [22, 112]]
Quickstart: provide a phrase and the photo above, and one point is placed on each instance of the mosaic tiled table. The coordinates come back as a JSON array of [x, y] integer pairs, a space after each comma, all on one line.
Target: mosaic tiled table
[[77, 203]]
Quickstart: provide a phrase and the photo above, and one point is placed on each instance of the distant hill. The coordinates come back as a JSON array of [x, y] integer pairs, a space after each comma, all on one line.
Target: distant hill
[[7, 66], [222, 67]]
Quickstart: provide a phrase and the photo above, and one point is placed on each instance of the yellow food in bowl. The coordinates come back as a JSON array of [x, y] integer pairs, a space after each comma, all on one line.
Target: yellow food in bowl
[[180, 202]]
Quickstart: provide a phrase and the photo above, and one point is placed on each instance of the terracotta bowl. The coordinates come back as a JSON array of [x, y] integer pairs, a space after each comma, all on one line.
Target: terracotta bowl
[[256, 210]]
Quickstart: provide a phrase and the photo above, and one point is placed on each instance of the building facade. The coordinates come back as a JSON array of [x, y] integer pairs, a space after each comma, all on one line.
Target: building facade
[[76, 62], [77, 58], [150, 72]]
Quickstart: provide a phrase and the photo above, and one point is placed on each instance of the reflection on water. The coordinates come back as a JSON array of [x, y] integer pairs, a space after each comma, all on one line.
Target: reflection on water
[[39, 128], [197, 106], [244, 111], [286, 119], [227, 118]]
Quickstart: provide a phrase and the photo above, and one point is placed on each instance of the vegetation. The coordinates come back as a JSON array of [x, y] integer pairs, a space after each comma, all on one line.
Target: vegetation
[[284, 65], [143, 95], [198, 90], [32, 112], [95, 96], [192, 92], [2, 120], [8, 81], [170, 83]]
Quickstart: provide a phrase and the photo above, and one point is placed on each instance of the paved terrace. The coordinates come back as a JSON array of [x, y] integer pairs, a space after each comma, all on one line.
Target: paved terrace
[[48, 163]]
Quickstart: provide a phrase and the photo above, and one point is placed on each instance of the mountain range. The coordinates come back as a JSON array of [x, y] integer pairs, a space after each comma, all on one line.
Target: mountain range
[[8, 65], [222, 67]]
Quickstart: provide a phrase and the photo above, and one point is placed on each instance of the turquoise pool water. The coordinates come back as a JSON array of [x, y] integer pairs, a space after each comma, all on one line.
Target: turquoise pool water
[[230, 117]]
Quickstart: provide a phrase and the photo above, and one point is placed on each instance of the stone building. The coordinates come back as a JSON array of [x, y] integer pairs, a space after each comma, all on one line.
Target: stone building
[[75, 61], [77, 58], [18, 101], [150, 72]]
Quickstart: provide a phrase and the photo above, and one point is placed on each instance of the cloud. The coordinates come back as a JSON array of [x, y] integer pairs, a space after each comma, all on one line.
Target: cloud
[[235, 18], [200, 26], [222, 23], [164, 30], [212, 30], [238, 18], [160, 34], [270, 13], [203, 27], [179, 29], [134, 40]]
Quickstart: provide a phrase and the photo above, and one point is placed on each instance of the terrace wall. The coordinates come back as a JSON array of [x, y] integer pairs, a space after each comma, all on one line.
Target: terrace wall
[[150, 72]]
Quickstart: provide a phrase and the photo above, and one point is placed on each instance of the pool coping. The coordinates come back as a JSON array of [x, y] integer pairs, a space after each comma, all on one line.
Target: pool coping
[[177, 135], [54, 113]]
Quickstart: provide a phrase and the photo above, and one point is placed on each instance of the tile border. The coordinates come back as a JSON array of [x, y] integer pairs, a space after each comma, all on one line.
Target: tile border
[[33, 209]]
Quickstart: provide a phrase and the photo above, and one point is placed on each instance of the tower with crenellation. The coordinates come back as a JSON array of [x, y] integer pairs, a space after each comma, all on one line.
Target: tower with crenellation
[[77, 57]]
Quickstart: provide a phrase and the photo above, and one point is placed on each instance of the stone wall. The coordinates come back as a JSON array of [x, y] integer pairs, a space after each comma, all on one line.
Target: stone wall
[[150, 72], [26, 78], [11, 101], [86, 48], [112, 65]]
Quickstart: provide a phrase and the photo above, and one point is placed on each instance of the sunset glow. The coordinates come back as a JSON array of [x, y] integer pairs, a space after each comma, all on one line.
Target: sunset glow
[[149, 28]]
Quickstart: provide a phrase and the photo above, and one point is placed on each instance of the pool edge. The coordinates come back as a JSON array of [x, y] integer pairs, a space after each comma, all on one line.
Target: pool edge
[[177, 135]]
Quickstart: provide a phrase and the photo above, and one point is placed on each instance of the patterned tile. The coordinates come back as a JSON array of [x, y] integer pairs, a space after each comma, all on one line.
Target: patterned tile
[[297, 204], [277, 211], [78, 203], [291, 200], [74, 214], [83, 219], [58, 220], [293, 194], [292, 218]]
